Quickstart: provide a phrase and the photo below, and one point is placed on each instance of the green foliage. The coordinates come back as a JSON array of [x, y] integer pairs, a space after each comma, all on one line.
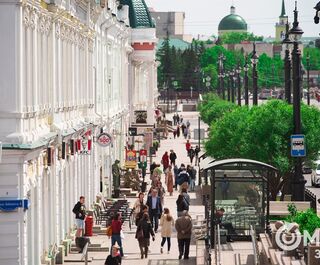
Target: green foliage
[[314, 58], [263, 133], [213, 108], [292, 209], [238, 37], [307, 221]]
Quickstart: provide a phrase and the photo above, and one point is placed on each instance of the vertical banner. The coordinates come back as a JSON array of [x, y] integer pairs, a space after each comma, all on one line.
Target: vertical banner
[[131, 159]]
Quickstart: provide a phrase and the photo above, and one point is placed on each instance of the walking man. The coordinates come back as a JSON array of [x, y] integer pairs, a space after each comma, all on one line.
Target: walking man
[[173, 157], [184, 230], [155, 209], [80, 211], [197, 151]]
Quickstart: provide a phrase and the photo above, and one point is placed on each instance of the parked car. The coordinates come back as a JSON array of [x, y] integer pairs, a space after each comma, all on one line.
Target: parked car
[[265, 94], [306, 168], [315, 176]]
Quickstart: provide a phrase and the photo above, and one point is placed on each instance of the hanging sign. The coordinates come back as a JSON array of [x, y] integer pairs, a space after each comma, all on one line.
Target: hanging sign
[[131, 159], [11, 205], [104, 139], [143, 158], [85, 144]]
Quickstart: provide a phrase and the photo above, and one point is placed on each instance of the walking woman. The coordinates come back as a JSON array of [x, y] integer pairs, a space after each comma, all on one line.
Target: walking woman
[[144, 230], [116, 226], [137, 207], [182, 205], [169, 180], [166, 223]]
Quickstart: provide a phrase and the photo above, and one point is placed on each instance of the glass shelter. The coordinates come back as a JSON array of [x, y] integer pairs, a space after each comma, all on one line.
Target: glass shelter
[[239, 195]]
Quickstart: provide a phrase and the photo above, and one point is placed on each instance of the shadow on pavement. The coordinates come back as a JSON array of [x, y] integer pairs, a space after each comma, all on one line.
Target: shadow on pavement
[[190, 261]]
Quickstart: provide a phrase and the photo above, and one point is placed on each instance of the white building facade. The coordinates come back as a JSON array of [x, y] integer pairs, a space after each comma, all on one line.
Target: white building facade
[[66, 76]]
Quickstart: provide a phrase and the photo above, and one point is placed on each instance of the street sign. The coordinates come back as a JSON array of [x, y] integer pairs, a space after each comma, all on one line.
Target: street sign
[[298, 147], [11, 205], [133, 131], [104, 139]]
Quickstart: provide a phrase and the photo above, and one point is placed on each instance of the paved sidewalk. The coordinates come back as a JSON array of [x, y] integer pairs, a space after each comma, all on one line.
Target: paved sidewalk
[[130, 244]]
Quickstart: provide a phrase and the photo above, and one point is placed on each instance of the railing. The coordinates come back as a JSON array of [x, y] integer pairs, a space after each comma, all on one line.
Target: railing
[[254, 246], [312, 198]]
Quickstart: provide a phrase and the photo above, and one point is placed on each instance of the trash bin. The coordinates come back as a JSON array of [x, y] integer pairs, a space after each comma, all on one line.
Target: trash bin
[[89, 225]]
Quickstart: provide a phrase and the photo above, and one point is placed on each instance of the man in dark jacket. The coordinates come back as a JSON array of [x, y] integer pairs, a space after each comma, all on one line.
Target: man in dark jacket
[[80, 211], [155, 209], [184, 230], [183, 178], [173, 157]]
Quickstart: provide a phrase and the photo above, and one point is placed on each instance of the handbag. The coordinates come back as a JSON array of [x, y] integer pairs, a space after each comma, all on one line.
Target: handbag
[[121, 234], [139, 234], [109, 231]]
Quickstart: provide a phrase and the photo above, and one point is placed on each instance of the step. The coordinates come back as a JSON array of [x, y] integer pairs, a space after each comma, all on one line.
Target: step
[[92, 249], [76, 258]]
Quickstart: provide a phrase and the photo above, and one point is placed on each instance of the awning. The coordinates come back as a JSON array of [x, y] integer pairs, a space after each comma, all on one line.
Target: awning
[[206, 162]]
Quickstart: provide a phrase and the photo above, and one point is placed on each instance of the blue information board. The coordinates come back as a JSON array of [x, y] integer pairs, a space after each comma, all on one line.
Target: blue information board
[[298, 147], [11, 205]]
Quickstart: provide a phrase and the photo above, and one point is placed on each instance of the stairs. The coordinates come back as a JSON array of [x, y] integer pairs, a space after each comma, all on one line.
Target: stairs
[[128, 192]]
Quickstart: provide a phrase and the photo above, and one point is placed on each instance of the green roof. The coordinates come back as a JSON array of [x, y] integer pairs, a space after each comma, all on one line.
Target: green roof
[[177, 43], [139, 15], [232, 22]]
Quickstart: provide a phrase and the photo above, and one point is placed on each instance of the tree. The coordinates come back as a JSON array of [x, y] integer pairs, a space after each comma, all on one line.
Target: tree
[[263, 133], [238, 37], [314, 58]]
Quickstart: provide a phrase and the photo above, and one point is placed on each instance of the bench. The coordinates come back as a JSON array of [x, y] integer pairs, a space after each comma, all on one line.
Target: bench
[[281, 207]]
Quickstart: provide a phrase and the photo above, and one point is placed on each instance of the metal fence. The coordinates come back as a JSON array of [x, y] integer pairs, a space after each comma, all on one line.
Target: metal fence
[[312, 198]]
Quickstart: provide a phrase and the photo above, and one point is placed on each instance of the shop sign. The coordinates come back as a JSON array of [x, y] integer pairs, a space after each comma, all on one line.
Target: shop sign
[[131, 159], [143, 158], [84, 144], [104, 139], [11, 205]]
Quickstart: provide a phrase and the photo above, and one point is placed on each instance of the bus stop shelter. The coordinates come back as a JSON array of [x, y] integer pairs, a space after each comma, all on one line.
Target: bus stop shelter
[[241, 188]]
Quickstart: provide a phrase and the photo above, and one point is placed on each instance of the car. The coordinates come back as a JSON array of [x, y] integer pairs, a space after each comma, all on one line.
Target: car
[[265, 94], [307, 168], [315, 176]]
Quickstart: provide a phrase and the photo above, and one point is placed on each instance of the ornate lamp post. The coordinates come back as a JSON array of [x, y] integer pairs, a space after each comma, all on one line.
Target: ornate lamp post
[[298, 182], [231, 77], [238, 71], [221, 75], [254, 61], [287, 43], [228, 86], [308, 78], [246, 82]]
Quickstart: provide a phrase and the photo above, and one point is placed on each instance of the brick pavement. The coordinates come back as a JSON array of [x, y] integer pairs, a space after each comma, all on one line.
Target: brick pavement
[[130, 244]]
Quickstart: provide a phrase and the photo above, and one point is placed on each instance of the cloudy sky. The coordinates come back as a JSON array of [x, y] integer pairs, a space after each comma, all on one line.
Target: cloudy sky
[[203, 16]]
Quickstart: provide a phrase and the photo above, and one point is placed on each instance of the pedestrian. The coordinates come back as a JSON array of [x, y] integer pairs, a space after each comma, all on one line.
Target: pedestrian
[[188, 146], [79, 210], [184, 192], [165, 161], [173, 157], [169, 180], [155, 209], [176, 173], [166, 222], [178, 131], [152, 167], [144, 209], [182, 205], [161, 191], [183, 177], [196, 152], [144, 230], [174, 134], [174, 119], [114, 258], [137, 207], [116, 227], [181, 119], [192, 177], [191, 154], [183, 128], [188, 123], [184, 230]]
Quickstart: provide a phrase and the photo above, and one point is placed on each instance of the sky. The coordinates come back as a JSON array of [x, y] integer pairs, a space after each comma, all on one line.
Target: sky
[[203, 16]]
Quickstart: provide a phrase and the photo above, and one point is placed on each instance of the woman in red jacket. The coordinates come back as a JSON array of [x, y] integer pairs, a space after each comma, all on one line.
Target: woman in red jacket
[[165, 161], [116, 226]]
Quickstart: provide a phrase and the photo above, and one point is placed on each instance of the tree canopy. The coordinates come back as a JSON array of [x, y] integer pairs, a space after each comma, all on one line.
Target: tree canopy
[[263, 133], [238, 37]]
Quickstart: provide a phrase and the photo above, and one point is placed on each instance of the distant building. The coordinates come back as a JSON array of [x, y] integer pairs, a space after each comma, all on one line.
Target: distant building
[[281, 25], [170, 24], [232, 23]]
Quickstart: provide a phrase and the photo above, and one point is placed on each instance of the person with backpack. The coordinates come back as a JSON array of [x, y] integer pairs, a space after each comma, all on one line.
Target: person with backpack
[[183, 177], [166, 222], [182, 205]]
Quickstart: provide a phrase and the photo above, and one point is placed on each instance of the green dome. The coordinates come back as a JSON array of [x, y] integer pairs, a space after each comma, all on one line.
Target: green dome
[[232, 22]]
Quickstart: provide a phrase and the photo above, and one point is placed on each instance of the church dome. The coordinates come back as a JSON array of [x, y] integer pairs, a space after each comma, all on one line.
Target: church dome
[[233, 22]]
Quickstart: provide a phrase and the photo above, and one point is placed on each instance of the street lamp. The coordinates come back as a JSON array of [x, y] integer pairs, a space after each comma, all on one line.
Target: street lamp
[[308, 78], [208, 79], [287, 45], [254, 61], [246, 82], [228, 86], [221, 75], [238, 71], [295, 34], [231, 77]]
